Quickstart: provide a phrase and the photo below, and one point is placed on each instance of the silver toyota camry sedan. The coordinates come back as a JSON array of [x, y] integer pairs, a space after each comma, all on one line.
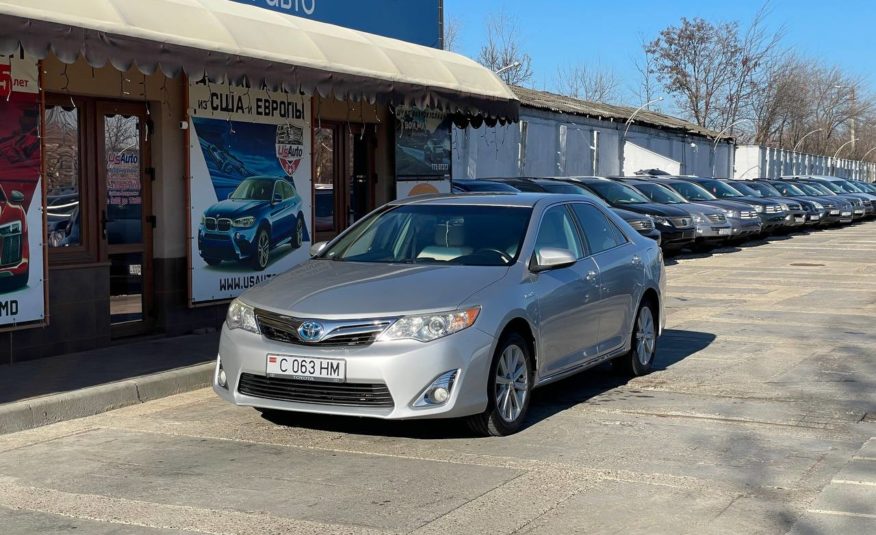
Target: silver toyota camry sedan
[[448, 306]]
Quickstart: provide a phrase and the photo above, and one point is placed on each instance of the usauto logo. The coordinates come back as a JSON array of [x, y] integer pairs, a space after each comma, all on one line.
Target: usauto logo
[[310, 331]]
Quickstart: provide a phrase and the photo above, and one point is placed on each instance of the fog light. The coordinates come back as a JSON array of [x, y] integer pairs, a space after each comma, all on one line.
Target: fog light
[[438, 392], [223, 381], [439, 395]]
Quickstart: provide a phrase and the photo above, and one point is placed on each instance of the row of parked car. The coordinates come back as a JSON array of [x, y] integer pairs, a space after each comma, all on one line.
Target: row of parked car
[[702, 213]]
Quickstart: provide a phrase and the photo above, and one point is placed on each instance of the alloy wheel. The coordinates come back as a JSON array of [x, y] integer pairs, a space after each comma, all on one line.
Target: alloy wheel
[[646, 336], [512, 383], [264, 248]]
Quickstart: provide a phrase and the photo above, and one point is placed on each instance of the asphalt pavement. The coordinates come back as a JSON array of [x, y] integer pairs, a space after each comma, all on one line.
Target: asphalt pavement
[[760, 418]]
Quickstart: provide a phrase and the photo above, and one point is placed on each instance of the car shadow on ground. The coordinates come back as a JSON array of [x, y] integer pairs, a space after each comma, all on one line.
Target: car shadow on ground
[[674, 346]]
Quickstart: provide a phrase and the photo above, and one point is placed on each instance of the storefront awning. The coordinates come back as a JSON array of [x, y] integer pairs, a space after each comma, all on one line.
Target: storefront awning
[[231, 41]]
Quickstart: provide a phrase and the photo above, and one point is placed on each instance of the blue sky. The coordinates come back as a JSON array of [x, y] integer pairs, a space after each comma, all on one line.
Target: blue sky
[[609, 33]]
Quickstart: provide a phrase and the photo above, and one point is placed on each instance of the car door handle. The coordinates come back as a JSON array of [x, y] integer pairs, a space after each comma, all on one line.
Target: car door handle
[[636, 260], [590, 277]]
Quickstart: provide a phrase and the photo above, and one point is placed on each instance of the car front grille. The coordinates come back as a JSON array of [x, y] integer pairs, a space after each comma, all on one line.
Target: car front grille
[[224, 224], [323, 393], [10, 249], [748, 214], [681, 222], [642, 224], [283, 328], [717, 218]]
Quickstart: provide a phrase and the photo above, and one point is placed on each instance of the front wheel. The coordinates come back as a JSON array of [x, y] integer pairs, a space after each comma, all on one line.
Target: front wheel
[[262, 250], [640, 360], [508, 389], [298, 233]]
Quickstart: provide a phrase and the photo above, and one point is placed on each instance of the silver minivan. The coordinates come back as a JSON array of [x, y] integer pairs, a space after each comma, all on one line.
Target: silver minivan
[[448, 306]]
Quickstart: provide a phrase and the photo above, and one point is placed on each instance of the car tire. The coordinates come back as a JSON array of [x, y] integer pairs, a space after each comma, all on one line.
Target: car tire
[[212, 261], [506, 407], [298, 232], [261, 250], [643, 343]]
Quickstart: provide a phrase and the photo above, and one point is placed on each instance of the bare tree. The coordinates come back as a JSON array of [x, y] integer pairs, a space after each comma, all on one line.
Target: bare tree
[[646, 90], [452, 30], [503, 52], [711, 67], [593, 83]]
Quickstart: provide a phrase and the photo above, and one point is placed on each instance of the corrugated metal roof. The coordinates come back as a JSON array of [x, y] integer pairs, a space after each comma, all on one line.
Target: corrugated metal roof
[[544, 100]]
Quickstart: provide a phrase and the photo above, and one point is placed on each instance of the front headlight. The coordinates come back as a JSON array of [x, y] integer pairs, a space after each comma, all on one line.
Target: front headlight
[[203, 219], [785, 207], [660, 220], [730, 213], [430, 327], [817, 205], [699, 218], [758, 208], [241, 316], [243, 222]]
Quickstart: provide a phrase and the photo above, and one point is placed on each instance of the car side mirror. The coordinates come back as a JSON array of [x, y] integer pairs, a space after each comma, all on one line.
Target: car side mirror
[[16, 196], [317, 248], [277, 199], [548, 258]]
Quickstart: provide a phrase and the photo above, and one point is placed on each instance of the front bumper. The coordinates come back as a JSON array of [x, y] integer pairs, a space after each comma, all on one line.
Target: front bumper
[[745, 227], [795, 218], [676, 237], [234, 244], [772, 221], [714, 231], [406, 368]]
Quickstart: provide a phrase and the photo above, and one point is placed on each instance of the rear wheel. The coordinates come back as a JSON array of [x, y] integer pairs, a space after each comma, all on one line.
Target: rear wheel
[[508, 389], [643, 343]]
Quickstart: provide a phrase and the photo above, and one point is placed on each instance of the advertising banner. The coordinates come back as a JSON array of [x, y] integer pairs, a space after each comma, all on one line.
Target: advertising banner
[[250, 187], [22, 270], [423, 143], [415, 22]]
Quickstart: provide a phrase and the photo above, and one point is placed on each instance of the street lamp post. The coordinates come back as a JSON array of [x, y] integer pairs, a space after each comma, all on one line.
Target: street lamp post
[[836, 154], [620, 148], [507, 67], [718, 138], [797, 145]]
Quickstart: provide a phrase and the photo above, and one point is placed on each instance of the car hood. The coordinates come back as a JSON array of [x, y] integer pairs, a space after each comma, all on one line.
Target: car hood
[[705, 209], [727, 205], [753, 201], [354, 290], [233, 207], [652, 208]]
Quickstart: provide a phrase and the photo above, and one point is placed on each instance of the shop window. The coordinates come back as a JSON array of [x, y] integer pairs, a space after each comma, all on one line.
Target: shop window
[[324, 172], [63, 176]]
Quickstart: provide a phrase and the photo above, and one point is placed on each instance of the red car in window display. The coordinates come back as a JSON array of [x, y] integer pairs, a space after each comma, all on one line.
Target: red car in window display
[[14, 253]]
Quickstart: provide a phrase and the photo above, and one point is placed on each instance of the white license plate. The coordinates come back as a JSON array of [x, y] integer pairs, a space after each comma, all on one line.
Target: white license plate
[[725, 231], [800, 219], [306, 368], [815, 217], [834, 212], [846, 214]]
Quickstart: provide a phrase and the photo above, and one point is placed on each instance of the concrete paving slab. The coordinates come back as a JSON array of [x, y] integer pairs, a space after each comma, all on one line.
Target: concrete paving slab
[[16, 522]]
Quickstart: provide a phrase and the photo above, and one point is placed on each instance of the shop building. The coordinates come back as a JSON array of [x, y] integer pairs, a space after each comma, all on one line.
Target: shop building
[[165, 155], [564, 136]]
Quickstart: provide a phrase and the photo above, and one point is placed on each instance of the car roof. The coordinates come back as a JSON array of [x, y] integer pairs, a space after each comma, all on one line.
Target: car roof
[[527, 200]]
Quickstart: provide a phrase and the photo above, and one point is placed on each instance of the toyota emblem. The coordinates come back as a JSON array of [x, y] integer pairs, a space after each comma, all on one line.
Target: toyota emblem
[[310, 331]]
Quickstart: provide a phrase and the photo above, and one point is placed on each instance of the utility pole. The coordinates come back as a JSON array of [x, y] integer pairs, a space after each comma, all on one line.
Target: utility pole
[[854, 114]]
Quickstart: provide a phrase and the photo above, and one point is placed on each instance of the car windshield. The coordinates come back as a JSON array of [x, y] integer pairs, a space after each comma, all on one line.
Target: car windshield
[[745, 189], [660, 194], [571, 189], [484, 186], [765, 190], [851, 188], [719, 189], [830, 186], [254, 189], [809, 189], [866, 187], [786, 188], [616, 193], [692, 192], [436, 234], [822, 190]]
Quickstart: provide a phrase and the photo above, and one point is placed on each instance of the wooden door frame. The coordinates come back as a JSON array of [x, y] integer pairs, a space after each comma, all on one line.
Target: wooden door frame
[[105, 108]]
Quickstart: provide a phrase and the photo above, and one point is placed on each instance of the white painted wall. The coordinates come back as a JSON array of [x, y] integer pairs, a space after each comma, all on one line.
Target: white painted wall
[[636, 157], [754, 161]]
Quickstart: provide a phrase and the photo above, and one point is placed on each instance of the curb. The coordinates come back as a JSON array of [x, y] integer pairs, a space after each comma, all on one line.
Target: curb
[[54, 408]]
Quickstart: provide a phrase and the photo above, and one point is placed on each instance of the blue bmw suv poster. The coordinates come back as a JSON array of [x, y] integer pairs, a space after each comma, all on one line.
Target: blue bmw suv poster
[[250, 188]]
